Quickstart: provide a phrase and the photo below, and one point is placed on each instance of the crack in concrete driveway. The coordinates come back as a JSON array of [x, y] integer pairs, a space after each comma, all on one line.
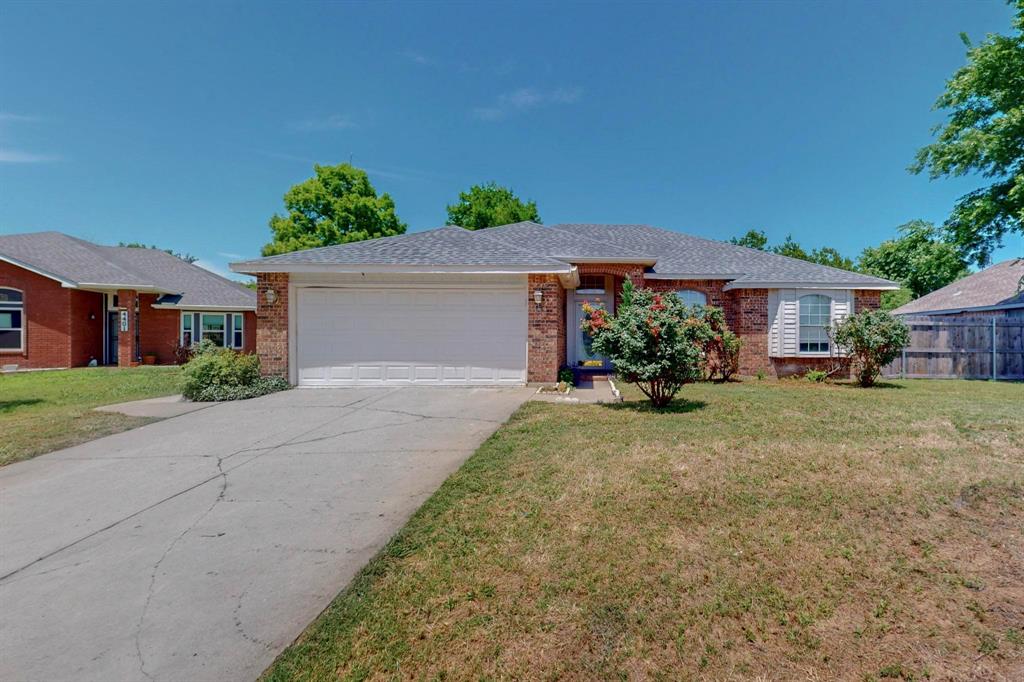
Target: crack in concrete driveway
[[121, 559]]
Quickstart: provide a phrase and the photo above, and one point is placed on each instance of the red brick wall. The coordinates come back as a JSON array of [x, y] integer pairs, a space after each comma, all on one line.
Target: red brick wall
[[126, 355], [864, 299], [159, 330], [618, 271], [249, 332], [546, 328], [86, 324], [46, 320], [272, 323]]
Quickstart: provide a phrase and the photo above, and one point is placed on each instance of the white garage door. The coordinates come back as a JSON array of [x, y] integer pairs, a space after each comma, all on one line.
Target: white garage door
[[353, 336]]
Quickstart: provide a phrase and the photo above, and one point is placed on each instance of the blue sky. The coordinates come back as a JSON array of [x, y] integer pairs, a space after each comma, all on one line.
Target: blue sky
[[183, 124]]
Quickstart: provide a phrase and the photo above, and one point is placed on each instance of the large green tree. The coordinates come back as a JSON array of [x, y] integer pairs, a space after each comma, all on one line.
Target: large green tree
[[753, 239], [489, 205], [919, 259], [336, 206], [757, 239], [187, 257], [984, 134]]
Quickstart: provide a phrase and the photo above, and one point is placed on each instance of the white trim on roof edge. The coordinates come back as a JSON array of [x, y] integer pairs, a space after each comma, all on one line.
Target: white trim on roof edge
[[687, 275], [617, 259], [205, 308], [810, 285], [253, 268], [67, 283], [970, 309]]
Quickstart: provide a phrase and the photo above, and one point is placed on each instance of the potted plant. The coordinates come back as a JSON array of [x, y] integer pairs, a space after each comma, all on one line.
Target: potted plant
[[149, 358]]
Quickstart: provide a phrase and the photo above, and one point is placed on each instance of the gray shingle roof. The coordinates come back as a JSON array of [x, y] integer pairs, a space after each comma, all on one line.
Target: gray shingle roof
[[79, 262], [685, 255], [673, 254], [994, 286], [439, 247]]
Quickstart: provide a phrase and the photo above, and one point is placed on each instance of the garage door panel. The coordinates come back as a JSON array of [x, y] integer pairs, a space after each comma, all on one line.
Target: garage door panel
[[424, 336]]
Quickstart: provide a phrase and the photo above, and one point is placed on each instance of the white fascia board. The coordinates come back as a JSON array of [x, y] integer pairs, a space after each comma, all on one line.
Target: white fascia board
[[66, 283], [687, 275], [113, 286], [210, 308], [972, 309], [253, 268], [618, 259], [810, 285]]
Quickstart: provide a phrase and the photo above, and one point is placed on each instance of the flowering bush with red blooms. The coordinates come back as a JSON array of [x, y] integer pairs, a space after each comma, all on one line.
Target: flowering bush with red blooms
[[722, 350], [654, 340]]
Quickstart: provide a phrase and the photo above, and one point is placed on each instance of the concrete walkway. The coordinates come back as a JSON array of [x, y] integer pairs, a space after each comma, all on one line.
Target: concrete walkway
[[587, 392], [162, 407], [198, 547]]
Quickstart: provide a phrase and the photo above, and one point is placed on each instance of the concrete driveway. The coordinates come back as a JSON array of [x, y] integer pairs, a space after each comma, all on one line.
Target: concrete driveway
[[198, 547]]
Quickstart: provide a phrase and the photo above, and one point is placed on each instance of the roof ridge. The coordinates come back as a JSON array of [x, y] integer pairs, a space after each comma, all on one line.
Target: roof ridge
[[95, 249], [493, 238]]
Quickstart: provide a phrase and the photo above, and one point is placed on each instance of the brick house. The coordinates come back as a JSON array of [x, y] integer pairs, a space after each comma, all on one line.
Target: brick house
[[996, 291], [66, 302], [502, 305]]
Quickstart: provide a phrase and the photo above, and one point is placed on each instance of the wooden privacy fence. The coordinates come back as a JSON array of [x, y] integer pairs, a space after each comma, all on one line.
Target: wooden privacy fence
[[943, 347]]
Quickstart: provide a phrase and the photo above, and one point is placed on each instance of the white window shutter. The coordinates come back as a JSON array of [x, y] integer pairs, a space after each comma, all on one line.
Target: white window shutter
[[790, 321], [774, 324]]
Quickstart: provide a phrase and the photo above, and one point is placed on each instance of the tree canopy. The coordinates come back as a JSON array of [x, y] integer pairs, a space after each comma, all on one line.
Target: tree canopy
[[984, 134], [753, 239], [337, 205], [757, 239], [489, 205], [187, 257], [918, 259]]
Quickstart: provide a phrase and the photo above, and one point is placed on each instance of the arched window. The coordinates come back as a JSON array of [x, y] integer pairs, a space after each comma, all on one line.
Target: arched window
[[691, 297], [815, 314], [12, 320]]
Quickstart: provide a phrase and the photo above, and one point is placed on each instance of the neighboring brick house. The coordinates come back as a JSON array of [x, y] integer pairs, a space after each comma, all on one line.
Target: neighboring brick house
[[502, 305], [996, 291], [66, 302]]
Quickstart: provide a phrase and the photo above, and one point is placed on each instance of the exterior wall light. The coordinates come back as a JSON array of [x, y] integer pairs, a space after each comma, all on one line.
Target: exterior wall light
[[538, 296], [270, 296]]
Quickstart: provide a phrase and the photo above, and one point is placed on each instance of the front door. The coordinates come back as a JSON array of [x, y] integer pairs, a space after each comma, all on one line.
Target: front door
[[584, 352], [112, 326]]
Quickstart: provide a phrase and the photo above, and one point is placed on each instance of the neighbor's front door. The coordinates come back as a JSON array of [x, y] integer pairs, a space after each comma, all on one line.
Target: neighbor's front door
[[112, 331], [585, 355]]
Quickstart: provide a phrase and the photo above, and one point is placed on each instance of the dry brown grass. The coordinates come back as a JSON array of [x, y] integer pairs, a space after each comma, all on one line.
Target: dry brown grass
[[761, 531]]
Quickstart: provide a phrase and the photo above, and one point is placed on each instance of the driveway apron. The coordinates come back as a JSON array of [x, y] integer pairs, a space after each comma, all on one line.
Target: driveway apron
[[198, 547]]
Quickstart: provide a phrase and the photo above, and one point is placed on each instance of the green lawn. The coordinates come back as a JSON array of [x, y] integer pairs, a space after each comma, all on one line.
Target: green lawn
[[775, 530], [45, 411]]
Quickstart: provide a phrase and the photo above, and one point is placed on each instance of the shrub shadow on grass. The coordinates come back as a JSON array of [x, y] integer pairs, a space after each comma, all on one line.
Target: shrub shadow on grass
[[12, 405], [877, 384], [677, 406]]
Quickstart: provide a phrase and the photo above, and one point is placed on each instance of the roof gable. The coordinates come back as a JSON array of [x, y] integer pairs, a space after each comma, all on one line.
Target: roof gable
[[998, 285], [524, 245], [81, 264]]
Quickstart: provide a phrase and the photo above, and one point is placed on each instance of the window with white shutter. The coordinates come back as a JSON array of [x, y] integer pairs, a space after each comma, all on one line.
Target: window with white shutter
[[798, 320]]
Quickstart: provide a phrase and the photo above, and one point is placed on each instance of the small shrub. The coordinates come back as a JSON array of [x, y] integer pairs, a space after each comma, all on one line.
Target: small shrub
[[566, 376], [722, 348], [217, 374], [655, 341], [872, 339], [760, 375], [816, 375]]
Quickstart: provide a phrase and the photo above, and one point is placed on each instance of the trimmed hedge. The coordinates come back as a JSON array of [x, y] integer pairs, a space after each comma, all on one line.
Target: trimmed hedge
[[216, 374]]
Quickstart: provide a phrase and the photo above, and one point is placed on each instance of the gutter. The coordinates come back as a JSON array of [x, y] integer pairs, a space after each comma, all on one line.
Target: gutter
[[251, 268], [809, 285]]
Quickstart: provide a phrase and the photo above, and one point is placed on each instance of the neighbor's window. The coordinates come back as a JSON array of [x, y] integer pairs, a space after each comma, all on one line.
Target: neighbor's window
[[186, 329], [236, 330], [224, 329], [815, 313], [692, 297], [213, 328], [12, 330]]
